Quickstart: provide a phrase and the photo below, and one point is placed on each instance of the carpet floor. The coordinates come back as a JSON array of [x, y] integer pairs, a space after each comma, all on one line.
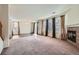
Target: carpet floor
[[39, 45]]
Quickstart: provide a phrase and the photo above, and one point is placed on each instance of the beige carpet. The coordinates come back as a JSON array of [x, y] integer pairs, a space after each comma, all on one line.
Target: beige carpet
[[39, 45]]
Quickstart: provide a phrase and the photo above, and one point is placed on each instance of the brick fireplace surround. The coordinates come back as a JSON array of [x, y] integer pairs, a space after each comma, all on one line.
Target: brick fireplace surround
[[75, 28]]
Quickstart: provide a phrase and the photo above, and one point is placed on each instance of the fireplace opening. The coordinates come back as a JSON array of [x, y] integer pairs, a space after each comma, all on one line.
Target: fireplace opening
[[71, 35]]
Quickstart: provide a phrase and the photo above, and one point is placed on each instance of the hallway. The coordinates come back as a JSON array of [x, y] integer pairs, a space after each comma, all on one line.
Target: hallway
[[39, 45]]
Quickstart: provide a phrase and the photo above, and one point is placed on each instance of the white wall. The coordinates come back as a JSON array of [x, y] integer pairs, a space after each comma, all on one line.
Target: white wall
[[72, 16], [4, 21], [25, 27], [10, 28], [71, 13]]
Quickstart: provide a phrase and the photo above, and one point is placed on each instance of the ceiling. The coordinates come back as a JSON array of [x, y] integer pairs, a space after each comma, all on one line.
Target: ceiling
[[32, 11]]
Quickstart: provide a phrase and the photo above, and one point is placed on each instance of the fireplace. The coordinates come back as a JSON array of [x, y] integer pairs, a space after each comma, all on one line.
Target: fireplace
[[71, 35]]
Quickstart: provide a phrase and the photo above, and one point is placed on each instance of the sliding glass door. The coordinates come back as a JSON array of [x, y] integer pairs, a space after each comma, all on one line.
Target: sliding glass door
[[32, 27], [44, 27], [50, 27], [40, 27], [58, 27]]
